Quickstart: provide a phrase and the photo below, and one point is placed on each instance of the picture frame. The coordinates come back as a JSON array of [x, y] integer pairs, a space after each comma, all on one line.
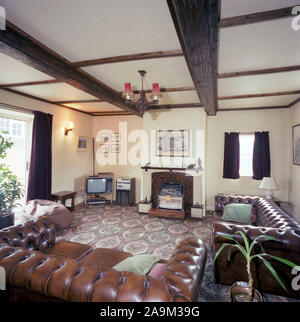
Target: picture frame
[[296, 144], [115, 148], [82, 143], [173, 143], [104, 137], [115, 137], [104, 148]]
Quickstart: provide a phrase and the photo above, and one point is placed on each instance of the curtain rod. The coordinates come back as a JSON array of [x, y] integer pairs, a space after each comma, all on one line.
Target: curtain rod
[[18, 108]]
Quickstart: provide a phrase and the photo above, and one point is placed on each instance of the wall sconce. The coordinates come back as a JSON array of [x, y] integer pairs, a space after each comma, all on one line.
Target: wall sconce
[[69, 128]]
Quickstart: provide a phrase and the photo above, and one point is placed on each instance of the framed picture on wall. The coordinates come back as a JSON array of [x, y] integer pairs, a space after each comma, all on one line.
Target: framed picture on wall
[[115, 148], [104, 148], [115, 137], [173, 143], [82, 144], [296, 144], [104, 137]]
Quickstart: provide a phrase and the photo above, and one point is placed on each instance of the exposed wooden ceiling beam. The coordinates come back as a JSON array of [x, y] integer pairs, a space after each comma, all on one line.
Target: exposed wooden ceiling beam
[[252, 108], [124, 58], [294, 102], [260, 71], [78, 101], [19, 45], [167, 106], [220, 98], [111, 113], [41, 99], [196, 24], [52, 81], [256, 17]]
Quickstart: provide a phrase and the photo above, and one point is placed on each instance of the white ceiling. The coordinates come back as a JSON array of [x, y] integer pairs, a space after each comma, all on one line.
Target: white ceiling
[[258, 101], [55, 92], [259, 46], [83, 30], [258, 84], [231, 8], [13, 71], [94, 107], [80, 30], [168, 72]]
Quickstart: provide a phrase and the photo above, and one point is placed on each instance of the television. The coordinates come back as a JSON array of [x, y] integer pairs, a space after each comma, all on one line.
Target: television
[[98, 185]]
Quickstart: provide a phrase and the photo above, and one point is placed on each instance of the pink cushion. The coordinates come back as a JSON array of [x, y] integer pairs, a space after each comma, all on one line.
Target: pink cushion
[[157, 270]]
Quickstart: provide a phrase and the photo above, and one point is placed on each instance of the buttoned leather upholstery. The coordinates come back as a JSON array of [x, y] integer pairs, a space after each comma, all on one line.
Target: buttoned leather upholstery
[[272, 221], [69, 280]]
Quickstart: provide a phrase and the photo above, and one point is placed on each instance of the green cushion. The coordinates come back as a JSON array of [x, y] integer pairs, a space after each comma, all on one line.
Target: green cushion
[[139, 264], [238, 212]]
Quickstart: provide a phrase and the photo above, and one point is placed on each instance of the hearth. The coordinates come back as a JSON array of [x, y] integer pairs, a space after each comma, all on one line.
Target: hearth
[[171, 196]]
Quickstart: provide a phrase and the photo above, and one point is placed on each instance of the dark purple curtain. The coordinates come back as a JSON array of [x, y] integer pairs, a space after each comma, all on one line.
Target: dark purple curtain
[[231, 168], [40, 170], [261, 156]]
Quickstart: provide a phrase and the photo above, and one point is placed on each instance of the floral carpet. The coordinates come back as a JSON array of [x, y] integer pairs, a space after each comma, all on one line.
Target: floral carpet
[[123, 228]]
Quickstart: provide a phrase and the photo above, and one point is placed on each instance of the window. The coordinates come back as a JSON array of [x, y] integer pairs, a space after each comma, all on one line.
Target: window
[[246, 154], [15, 128], [4, 124]]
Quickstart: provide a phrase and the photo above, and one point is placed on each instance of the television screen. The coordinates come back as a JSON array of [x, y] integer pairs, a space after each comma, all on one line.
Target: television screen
[[96, 185]]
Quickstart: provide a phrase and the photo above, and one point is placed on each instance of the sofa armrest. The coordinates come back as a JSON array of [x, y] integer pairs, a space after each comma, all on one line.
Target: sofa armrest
[[32, 235], [288, 239], [68, 280]]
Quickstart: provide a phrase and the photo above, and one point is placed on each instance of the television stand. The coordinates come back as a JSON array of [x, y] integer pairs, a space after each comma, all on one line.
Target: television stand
[[96, 200]]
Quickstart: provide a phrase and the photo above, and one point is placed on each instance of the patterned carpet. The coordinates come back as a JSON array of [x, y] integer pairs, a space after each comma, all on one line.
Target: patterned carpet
[[123, 228]]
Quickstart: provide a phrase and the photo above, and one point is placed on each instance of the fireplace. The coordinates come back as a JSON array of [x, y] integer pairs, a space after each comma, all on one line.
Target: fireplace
[[171, 196]]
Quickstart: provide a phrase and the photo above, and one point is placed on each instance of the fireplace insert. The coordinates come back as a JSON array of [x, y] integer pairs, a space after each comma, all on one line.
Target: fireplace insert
[[171, 196]]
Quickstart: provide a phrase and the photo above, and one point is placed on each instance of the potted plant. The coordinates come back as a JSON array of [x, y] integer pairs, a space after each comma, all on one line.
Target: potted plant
[[11, 190], [242, 291]]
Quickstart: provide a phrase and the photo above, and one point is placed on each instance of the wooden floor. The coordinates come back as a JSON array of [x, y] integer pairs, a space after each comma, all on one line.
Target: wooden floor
[[176, 214]]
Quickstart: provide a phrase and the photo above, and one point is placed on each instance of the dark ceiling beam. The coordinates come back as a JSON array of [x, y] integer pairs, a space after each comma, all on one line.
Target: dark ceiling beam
[[294, 102], [256, 17], [111, 113], [19, 45], [125, 58], [196, 24], [252, 108], [221, 98], [78, 101], [168, 106], [42, 100], [46, 82], [260, 71]]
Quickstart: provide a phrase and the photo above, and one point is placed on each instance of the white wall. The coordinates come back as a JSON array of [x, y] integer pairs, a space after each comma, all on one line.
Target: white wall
[[294, 193], [116, 124], [276, 122], [69, 167]]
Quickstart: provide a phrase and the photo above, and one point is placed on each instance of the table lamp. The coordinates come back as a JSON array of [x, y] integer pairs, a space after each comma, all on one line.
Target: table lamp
[[268, 184]]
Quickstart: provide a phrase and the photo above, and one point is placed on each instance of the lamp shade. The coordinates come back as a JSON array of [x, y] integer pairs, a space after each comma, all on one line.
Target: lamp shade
[[268, 184]]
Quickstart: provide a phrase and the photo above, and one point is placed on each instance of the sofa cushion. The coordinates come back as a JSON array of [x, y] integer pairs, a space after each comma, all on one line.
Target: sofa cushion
[[139, 264], [104, 257], [68, 249], [238, 212]]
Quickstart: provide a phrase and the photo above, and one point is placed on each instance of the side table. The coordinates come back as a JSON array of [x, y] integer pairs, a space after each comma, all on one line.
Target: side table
[[62, 196]]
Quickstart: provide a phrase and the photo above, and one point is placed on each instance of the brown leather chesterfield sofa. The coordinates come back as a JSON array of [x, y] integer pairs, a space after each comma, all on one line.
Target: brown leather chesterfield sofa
[[272, 221], [38, 269]]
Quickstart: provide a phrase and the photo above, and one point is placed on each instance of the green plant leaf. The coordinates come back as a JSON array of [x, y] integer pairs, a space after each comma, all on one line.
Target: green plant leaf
[[255, 241], [220, 249], [282, 260], [272, 270], [246, 242]]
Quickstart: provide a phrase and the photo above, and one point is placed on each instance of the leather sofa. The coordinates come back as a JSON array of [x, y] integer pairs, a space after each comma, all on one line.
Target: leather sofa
[[271, 220], [39, 269]]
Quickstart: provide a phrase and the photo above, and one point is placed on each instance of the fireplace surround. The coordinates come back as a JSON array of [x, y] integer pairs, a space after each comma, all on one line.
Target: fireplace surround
[[177, 179]]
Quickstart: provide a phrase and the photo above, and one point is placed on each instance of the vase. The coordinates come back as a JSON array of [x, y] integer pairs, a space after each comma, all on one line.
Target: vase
[[6, 219], [239, 293]]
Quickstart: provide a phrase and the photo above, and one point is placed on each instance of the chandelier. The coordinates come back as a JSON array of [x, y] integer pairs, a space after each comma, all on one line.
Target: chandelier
[[142, 103]]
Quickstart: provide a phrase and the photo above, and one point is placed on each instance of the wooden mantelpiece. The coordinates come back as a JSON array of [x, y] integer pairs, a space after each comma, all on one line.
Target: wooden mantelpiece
[[171, 169]]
